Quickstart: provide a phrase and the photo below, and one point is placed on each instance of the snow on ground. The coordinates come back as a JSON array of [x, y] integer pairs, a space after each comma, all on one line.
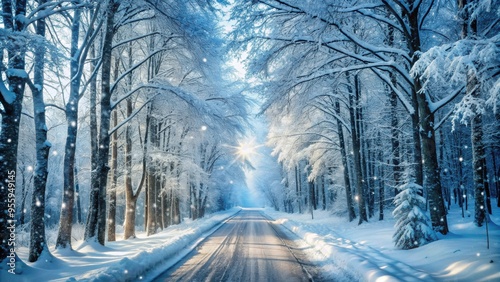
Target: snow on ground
[[368, 253], [123, 260], [365, 251]]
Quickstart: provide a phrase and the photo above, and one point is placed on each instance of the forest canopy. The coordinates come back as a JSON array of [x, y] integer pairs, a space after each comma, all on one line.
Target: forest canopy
[[128, 113]]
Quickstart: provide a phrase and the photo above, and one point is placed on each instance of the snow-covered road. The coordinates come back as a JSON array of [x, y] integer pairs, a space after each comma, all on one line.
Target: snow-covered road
[[246, 248], [244, 244]]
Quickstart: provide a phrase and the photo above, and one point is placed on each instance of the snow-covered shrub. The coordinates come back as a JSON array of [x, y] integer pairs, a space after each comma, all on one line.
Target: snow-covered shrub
[[412, 224]]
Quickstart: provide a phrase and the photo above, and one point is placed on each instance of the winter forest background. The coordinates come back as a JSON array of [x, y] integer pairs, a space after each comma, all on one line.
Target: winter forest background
[[123, 115]]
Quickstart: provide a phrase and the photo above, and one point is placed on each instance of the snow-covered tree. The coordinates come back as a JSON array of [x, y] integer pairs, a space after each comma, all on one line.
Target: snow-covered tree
[[18, 40], [12, 93], [469, 65], [38, 244], [299, 44], [99, 220], [79, 50], [412, 223]]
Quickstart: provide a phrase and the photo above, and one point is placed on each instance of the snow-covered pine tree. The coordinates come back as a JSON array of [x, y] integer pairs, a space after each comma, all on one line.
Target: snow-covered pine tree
[[412, 224]]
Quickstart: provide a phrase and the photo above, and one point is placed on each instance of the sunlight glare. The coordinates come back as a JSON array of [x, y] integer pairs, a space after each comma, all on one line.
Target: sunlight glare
[[246, 149]]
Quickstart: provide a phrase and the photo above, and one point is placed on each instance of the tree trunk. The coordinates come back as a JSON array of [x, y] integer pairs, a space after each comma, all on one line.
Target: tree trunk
[[130, 197], [146, 198], [78, 202], [431, 174], [114, 178], [487, 190], [356, 147], [496, 177], [66, 219], [167, 208], [418, 158], [177, 211], [381, 188], [396, 167], [432, 181], [312, 199], [114, 166], [203, 205], [199, 198], [323, 192], [393, 101], [151, 187], [129, 225], [370, 163], [297, 188], [373, 179], [104, 138], [11, 116], [447, 190], [192, 201], [91, 223], [37, 234], [478, 155], [158, 209], [478, 151], [343, 152]]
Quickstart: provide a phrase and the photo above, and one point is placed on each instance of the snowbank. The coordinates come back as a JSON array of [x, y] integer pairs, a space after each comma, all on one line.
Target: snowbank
[[175, 246], [367, 252], [125, 260]]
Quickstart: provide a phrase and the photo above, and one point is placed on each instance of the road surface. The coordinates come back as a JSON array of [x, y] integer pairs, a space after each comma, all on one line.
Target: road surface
[[248, 247]]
